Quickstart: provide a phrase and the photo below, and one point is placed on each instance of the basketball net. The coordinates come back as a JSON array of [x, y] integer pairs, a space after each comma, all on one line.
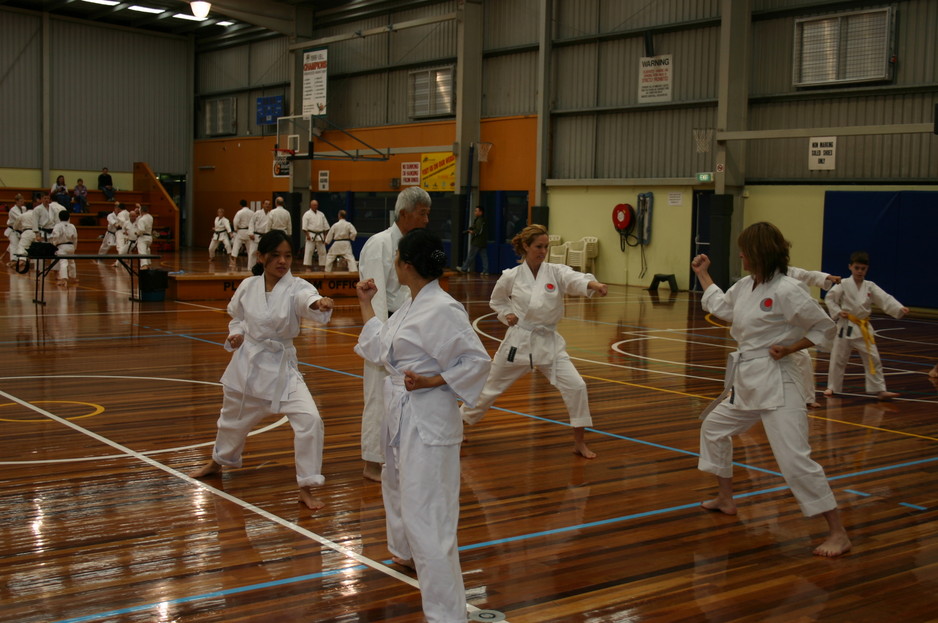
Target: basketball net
[[482, 151], [703, 138]]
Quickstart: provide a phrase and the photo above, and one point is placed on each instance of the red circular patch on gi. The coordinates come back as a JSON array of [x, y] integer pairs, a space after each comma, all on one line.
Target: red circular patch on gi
[[550, 287], [766, 305]]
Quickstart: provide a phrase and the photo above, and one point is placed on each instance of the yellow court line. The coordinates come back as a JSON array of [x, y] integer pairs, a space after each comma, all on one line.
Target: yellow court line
[[877, 428], [98, 409], [657, 389]]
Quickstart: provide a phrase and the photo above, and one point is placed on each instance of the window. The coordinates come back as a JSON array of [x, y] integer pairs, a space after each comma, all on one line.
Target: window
[[431, 92], [844, 48], [220, 116]]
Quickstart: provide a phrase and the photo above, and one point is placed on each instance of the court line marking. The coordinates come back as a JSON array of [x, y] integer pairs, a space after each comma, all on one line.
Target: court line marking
[[345, 551]]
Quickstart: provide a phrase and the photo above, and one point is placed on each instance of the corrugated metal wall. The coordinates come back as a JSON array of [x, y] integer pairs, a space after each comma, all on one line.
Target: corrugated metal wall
[[109, 107], [21, 112], [510, 23]]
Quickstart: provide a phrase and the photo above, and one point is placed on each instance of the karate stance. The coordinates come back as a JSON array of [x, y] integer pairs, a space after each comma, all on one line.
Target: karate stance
[[13, 230], [144, 228], [432, 355], [262, 378], [376, 262], [241, 238], [340, 236], [65, 239], [850, 304], [825, 281], [773, 317], [315, 227], [221, 234], [529, 299], [110, 235]]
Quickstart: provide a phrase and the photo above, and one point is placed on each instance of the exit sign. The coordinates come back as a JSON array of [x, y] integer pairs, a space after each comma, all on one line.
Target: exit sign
[[705, 177]]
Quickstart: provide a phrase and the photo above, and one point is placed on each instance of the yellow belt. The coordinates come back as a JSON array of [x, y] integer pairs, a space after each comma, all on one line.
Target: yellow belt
[[864, 325]]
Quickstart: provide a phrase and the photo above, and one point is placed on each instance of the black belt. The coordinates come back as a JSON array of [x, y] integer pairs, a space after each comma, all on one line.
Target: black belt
[[240, 228], [341, 240]]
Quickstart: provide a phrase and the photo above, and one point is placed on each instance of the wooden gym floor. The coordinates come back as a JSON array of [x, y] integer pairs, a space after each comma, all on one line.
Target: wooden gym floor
[[106, 404]]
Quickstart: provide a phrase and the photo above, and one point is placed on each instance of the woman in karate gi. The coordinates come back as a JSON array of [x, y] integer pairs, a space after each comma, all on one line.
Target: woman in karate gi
[[432, 355], [773, 317], [529, 299], [262, 378]]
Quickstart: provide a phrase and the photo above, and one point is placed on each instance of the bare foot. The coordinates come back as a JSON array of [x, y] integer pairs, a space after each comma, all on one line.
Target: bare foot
[[886, 395], [828, 393], [933, 373], [404, 562], [206, 470], [61, 283], [835, 545], [719, 505], [584, 451], [307, 498], [372, 471], [814, 405]]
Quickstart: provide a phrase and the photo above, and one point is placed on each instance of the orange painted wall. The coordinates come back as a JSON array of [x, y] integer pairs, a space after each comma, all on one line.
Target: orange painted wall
[[227, 170]]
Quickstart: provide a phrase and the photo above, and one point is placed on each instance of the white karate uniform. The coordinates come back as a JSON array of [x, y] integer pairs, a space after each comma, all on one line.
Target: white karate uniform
[[280, 219], [759, 387], [29, 229], [44, 222], [144, 225], [110, 236], [65, 239], [422, 432], [340, 236], [377, 262], [857, 300], [538, 304], [123, 222], [821, 280], [315, 227], [221, 233], [263, 379], [260, 225], [12, 231], [242, 226]]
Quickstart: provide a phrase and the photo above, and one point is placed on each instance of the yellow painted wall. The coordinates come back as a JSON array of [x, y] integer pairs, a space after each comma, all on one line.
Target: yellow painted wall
[[32, 178], [578, 211], [587, 211]]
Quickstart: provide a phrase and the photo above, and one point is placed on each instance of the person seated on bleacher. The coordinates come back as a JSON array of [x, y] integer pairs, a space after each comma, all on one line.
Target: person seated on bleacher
[[80, 197], [59, 192], [106, 184]]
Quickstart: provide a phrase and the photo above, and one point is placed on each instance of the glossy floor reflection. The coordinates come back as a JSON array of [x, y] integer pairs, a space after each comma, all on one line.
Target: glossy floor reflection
[[107, 403]]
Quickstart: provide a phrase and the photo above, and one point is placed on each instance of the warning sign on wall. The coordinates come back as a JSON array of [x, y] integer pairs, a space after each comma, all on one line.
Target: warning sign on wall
[[438, 171], [654, 79]]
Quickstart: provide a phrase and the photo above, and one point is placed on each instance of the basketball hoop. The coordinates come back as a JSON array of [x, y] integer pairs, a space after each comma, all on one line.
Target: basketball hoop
[[703, 138], [482, 151], [283, 158]]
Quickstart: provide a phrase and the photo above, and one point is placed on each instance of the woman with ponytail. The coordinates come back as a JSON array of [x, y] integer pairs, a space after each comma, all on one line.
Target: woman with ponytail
[[432, 356], [262, 378]]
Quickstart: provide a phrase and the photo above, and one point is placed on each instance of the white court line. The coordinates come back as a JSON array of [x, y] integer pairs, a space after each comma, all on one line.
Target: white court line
[[879, 333], [124, 450]]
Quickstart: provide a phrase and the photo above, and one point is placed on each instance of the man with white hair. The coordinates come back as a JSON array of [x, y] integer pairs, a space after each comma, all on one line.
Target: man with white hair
[[280, 218], [315, 227], [376, 261]]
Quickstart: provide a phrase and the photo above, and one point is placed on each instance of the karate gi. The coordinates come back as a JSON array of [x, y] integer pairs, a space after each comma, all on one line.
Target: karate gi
[[377, 262], [123, 222], [280, 219], [12, 231], [65, 238], [242, 226], [28, 224], [757, 387], [315, 227], [110, 236], [44, 222], [819, 280], [221, 232], [857, 300], [340, 236], [263, 379], [260, 225], [534, 342], [422, 433], [144, 227]]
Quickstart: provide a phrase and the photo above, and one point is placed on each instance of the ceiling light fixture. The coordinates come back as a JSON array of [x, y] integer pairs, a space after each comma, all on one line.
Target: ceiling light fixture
[[104, 2], [200, 8], [145, 9]]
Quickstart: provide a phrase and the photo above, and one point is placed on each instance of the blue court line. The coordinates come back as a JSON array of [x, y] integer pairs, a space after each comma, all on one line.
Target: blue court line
[[230, 591]]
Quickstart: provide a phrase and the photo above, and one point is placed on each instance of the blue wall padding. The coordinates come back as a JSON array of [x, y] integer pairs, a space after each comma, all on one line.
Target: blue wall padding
[[899, 229]]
